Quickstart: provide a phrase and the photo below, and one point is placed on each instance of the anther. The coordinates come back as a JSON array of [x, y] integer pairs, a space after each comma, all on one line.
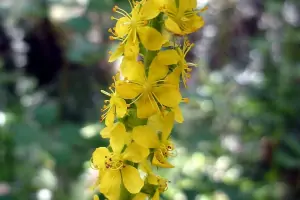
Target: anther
[[115, 8], [185, 100]]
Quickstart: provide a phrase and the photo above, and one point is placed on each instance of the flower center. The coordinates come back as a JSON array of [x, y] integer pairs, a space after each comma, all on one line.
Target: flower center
[[114, 162], [147, 87], [133, 23]]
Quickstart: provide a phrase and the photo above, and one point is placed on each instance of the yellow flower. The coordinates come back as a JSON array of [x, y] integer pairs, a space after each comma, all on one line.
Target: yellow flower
[[113, 164], [118, 137], [116, 106], [160, 183], [133, 26], [183, 19], [182, 64], [116, 171], [153, 92], [163, 147]]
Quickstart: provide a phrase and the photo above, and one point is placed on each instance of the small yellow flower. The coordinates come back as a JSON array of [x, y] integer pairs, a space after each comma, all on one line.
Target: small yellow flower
[[151, 93], [160, 183], [116, 106], [162, 187], [182, 64], [163, 147], [182, 18], [119, 136], [133, 27], [116, 171]]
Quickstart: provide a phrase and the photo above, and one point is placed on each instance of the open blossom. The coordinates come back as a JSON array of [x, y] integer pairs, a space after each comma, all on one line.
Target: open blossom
[[183, 18], [151, 93], [115, 170], [133, 28], [163, 146]]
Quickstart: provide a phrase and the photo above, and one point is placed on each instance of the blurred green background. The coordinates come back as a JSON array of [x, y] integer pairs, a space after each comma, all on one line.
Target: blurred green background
[[241, 135]]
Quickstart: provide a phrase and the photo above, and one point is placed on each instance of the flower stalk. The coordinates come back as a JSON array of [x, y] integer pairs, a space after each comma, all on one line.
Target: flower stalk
[[144, 104]]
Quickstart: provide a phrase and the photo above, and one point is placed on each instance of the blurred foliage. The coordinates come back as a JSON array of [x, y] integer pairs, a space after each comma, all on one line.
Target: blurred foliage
[[240, 139]]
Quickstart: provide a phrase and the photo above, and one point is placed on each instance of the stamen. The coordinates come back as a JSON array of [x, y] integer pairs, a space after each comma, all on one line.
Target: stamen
[[104, 92]]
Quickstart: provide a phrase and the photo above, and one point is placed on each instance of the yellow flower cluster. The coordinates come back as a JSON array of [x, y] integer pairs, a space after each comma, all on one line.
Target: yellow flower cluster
[[145, 96]]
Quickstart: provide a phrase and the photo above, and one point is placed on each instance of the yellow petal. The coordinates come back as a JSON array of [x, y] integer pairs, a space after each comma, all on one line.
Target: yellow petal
[[110, 117], [145, 166], [117, 53], [156, 195], [132, 48], [110, 184], [149, 10], [152, 179], [160, 161], [172, 26], [192, 4], [150, 38], [128, 90], [174, 76], [167, 57], [158, 68], [118, 137], [98, 157], [135, 153], [145, 136], [121, 107], [178, 114], [197, 22], [140, 196], [156, 122], [131, 179], [122, 26], [146, 106], [105, 133], [157, 71], [168, 125], [168, 95], [133, 70]]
